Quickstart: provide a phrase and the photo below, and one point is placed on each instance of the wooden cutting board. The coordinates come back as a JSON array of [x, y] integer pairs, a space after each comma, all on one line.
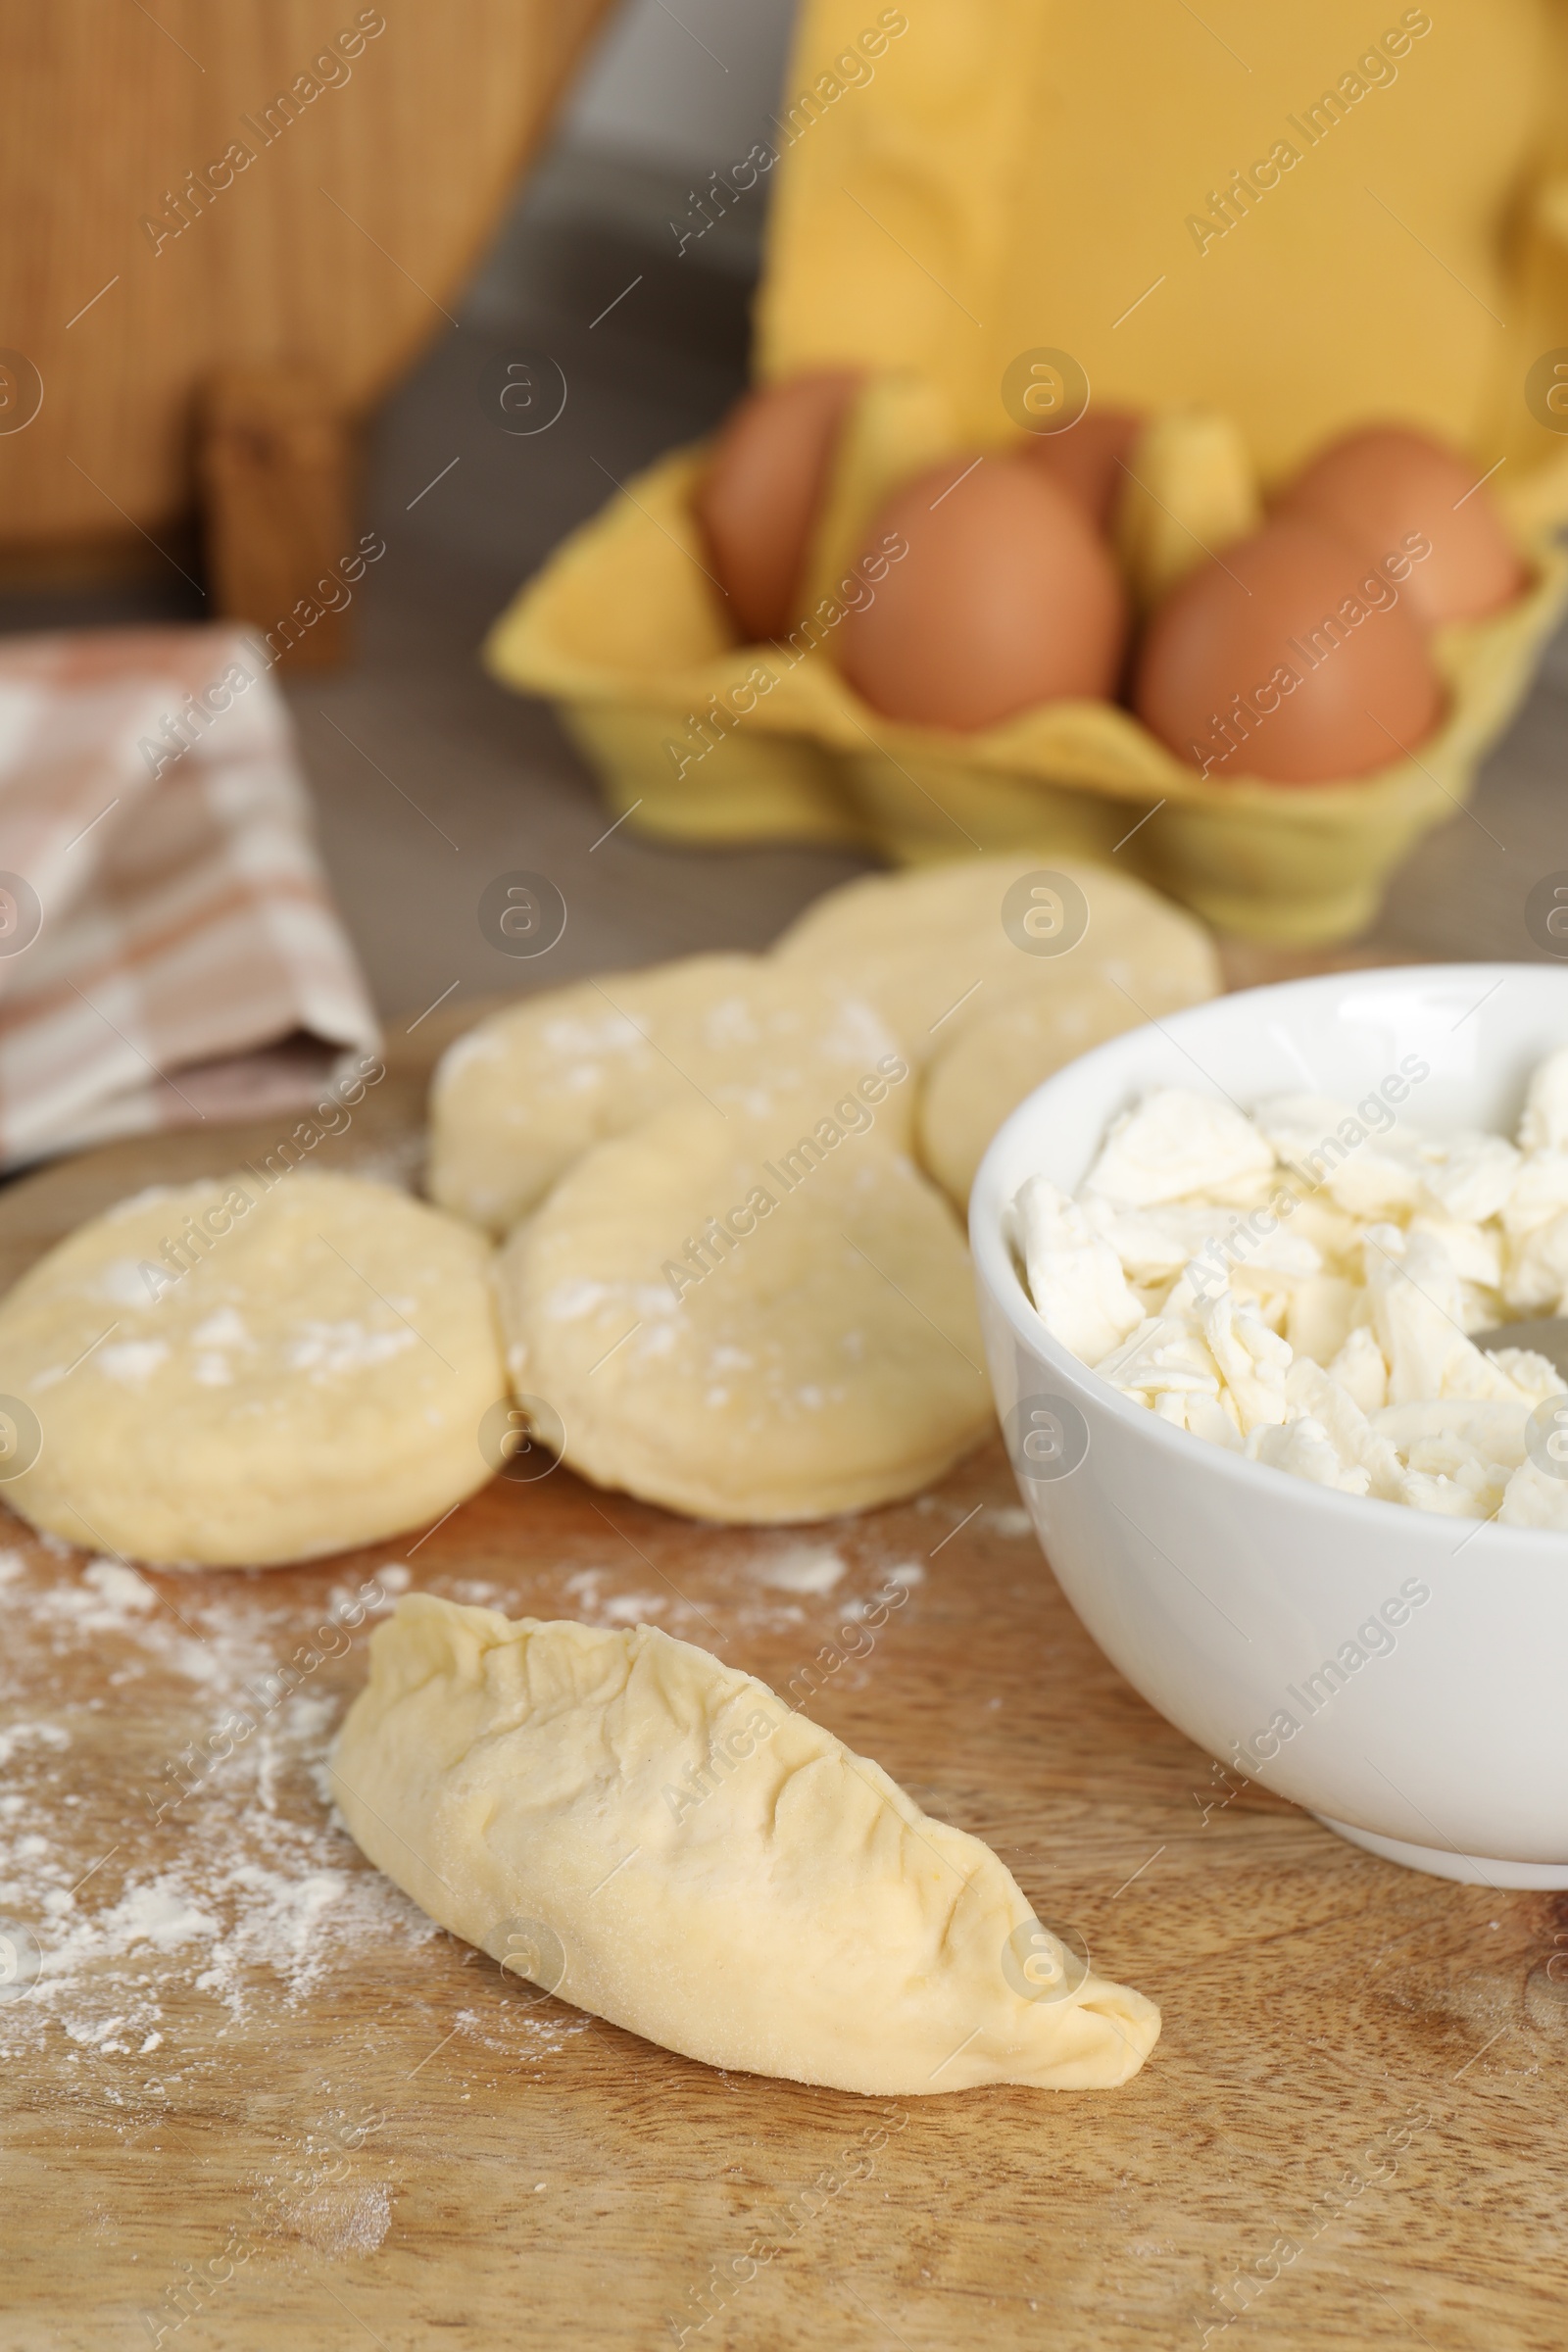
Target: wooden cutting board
[[254, 2095]]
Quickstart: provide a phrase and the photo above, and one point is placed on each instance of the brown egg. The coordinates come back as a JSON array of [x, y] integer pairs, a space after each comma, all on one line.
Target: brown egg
[[1006, 597], [1286, 658], [757, 501], [1089, 461], [1392, 492]]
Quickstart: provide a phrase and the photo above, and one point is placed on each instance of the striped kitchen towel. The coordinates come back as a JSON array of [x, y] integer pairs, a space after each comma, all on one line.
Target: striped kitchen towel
[[168, 947]]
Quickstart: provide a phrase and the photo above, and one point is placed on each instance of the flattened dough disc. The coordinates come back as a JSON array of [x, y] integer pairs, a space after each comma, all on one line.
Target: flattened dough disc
[[1003, 1055], [315, 1378], [932, 951], [523, 1095], [827, 1360]]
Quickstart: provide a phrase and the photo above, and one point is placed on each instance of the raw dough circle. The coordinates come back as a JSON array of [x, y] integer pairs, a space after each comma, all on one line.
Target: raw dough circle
[[314, 1379], [931, 951], [828, 1360], [527, 1092], [1003, 1056]]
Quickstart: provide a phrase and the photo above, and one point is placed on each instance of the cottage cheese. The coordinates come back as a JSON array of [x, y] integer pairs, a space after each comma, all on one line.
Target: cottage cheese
[[1300, 1285]]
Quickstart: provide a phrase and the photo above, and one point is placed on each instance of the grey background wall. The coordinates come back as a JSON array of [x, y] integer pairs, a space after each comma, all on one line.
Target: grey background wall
[[682, 89], [676, 89]]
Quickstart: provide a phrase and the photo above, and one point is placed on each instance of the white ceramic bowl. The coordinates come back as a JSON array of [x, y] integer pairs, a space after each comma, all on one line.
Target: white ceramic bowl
[[1225, 1590]]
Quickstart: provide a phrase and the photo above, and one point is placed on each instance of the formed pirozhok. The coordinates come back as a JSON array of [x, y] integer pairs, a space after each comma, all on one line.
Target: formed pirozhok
[[661, 1839]]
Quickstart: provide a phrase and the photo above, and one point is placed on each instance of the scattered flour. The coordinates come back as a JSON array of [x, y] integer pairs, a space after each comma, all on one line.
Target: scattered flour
[[209, 1926], [120, 1587], [249, 1893], [131, 1362], [17, 1736], [804, 1568], [156, 1913], [592, 1603], [334, 1348], [632, 1608]]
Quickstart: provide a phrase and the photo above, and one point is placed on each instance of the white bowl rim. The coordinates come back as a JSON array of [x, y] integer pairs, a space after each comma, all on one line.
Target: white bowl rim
[[994, 1262]]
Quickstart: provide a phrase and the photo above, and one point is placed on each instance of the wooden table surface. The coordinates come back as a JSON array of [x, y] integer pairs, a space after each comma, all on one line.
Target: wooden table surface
[[254, 2099]]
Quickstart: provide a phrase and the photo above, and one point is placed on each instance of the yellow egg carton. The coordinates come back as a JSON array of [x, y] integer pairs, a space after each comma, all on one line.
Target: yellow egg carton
[[1257, 251]]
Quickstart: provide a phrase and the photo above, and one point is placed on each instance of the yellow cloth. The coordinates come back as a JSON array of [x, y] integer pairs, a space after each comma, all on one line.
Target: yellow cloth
[[1294, 219]]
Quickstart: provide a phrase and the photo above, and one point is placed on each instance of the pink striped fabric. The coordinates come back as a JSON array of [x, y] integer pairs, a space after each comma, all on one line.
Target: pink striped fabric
[[168, 947]]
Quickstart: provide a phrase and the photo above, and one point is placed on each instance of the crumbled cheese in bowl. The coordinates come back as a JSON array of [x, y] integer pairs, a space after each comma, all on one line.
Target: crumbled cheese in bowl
[[1300, 1285]]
